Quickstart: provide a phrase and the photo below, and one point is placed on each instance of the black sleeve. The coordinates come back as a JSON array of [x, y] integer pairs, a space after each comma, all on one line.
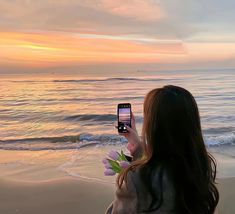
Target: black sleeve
[[129, 158]]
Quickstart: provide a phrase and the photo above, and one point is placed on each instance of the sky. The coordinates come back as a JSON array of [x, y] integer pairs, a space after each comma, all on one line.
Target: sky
[[130, 34]]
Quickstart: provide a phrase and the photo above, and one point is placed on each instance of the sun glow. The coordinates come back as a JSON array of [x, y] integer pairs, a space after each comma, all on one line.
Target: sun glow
[[43, 49], [64, 48]]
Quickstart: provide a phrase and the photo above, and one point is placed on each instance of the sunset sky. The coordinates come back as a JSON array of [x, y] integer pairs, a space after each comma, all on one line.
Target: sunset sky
[[69, 33]]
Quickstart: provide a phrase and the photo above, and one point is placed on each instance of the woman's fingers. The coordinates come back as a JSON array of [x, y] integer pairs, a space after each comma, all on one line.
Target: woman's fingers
[[125, 134], [133, 121], [128, 135], [132, 116], [129, 129]]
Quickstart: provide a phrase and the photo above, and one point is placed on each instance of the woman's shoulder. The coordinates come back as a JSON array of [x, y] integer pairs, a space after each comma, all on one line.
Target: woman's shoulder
[[160, 182], [156, 175]]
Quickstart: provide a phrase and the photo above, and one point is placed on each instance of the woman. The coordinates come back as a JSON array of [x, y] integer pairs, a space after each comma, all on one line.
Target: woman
[[172, 172]]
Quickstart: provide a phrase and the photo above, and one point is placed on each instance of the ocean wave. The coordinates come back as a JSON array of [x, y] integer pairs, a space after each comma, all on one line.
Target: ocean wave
[[219, 130], [70, 139], [112, 79], [228, 139], [97, 99], [95, 80], [38, 147], [97, 118], [92, 117], [61, 143], [87, 139]]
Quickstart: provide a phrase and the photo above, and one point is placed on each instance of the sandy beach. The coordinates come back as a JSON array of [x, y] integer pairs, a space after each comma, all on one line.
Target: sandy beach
[[67, 195], [33, 183], [73, 196]]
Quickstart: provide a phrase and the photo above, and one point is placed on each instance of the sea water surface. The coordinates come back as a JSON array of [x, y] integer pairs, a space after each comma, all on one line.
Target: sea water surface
[[77, 113]]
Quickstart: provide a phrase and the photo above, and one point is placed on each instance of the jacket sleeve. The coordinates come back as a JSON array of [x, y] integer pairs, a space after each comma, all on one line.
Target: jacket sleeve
[[136, 155], [125, 200]]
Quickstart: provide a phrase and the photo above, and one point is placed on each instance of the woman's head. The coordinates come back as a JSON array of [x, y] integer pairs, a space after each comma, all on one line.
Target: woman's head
[[171, 124], [173, 141]]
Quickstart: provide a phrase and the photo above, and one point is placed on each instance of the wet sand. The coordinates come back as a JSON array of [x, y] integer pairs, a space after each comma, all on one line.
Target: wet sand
[[31, 183]]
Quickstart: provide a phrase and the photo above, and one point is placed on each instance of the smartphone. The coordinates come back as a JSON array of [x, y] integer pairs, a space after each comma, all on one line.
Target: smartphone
[[124, 116]]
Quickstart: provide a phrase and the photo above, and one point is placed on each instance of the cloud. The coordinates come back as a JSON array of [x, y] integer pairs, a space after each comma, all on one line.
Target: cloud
[[120, 31], [50, 49], [206, 18], [143, 10], [139, 17], [162, 19]]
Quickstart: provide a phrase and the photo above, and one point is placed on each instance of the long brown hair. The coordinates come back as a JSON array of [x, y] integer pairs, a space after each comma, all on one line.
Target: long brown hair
[[173, 141]]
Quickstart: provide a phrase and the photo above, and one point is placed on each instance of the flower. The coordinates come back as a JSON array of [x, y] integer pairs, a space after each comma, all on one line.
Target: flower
[[109, 172], [115, 163], [114, 155], [124, 164], [108, 165], [105, 161]]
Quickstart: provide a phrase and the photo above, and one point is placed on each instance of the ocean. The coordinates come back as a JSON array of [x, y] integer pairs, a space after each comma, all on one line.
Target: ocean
[[77, 113]]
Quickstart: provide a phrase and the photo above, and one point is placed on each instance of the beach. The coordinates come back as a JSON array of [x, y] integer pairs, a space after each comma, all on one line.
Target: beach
[[56, 130], [65, 195], [42, 188], [73, 196]]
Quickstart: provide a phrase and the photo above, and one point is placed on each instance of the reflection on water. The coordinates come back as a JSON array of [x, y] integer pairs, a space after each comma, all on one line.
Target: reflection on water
[[59, 106], [68, 113]]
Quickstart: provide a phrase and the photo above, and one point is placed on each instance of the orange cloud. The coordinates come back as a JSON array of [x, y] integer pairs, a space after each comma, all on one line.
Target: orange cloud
[[53, 48], [43, 49]]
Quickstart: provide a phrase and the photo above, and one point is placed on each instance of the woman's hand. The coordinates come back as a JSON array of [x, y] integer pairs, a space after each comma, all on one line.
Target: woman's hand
[[134, 141]]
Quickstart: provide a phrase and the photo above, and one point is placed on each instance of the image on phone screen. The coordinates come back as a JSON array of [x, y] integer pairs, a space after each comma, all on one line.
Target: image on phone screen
[[124, 116]]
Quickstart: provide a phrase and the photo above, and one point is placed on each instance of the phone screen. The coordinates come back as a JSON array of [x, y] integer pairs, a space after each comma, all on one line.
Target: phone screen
[[124, 116]]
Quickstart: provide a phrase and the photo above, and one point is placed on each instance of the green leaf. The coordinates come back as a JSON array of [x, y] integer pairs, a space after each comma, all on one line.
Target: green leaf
[[123, 156], [120, 157], [115, 166]]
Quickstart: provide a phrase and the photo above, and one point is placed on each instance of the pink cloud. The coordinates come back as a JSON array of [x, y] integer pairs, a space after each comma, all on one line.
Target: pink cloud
[[142, 10]]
